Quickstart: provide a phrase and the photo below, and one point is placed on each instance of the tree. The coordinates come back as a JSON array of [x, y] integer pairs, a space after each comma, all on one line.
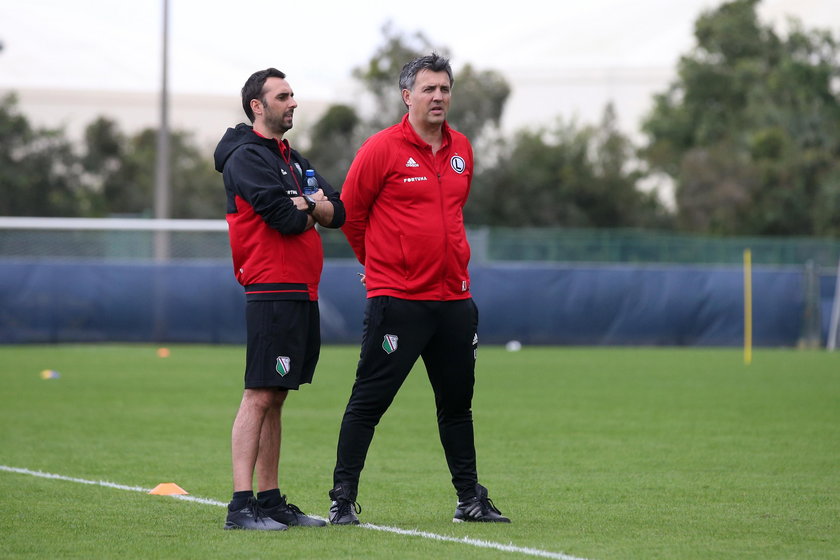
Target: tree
[[478, 101], [749, 130], [380, 76], [479, 97], [126, 166], [39, 173], [103, 158], [477, 107], [333, 142], [42, 173], [197, 188], [567, 176]]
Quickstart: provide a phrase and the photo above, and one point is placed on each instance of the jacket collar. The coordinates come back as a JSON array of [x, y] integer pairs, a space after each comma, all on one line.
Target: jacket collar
[[282, 145], [412, 136]]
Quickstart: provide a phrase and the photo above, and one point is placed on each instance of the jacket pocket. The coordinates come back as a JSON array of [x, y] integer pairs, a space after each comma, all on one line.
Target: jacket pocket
[[424, 259]]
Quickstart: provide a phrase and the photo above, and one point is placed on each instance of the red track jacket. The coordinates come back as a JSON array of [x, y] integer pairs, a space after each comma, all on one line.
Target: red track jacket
[[404, 214]]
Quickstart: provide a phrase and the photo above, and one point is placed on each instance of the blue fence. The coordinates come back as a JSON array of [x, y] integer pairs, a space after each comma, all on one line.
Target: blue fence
[[45, 301]]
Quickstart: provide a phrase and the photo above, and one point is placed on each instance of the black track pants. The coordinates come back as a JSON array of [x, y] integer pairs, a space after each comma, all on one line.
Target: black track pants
[[396, 333]]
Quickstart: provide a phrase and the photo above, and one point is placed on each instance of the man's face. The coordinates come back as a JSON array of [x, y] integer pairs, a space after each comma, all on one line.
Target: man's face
[[278, 105], [428, 101]]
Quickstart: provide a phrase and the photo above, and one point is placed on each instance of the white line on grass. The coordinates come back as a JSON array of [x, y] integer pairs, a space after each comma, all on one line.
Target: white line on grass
[[474, 542], [395, 530]]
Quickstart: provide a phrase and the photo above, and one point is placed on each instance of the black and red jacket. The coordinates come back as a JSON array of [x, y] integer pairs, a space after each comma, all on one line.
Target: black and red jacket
[[274, 255]]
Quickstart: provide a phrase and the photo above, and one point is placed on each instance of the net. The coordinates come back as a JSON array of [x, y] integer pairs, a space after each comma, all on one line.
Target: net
[[148, 239]]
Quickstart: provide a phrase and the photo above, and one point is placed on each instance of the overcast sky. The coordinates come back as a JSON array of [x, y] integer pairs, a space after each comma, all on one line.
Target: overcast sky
[[214, 46]]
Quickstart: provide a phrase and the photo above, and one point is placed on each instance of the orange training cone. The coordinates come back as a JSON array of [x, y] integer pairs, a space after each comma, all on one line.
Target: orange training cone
[[167, 489]]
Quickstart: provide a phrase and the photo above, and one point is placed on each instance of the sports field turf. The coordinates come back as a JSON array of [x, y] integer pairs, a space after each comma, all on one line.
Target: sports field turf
[[594, 453]]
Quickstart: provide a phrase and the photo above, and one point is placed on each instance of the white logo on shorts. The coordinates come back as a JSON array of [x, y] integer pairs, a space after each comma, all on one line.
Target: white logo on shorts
[[389, 343], [284, 364]]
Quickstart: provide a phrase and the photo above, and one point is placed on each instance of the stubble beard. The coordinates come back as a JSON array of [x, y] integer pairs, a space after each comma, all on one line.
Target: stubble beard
[[278, 123], [437, 117]]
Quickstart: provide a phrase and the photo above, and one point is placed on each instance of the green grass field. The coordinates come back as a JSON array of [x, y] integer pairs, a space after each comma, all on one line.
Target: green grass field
[[595, 453]]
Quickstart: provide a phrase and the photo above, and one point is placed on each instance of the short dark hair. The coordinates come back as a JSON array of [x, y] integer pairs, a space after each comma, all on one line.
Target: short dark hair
[[253, 88], [433, 62]]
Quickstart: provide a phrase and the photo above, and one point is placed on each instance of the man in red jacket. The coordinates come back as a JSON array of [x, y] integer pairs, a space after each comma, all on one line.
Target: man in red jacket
[[403, 197], [277, 257]]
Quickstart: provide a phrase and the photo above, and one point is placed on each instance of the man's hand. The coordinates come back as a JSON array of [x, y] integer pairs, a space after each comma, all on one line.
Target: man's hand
[[301, 204], [316, 216]]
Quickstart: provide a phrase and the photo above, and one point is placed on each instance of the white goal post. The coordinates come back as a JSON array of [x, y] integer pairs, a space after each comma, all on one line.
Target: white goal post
[[112, 224], [113, 238], [124, 238]]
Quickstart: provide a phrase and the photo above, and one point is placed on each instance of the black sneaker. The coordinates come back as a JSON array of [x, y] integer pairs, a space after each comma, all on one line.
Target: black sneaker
[[290, 514], [479, 508], [252, 517], [343, 510]]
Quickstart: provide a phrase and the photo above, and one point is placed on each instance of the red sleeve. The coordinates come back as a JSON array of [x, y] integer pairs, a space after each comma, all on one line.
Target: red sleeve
[[361, 186]]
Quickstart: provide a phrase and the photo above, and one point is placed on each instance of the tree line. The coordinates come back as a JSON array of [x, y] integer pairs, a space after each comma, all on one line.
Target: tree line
[[748, 134]]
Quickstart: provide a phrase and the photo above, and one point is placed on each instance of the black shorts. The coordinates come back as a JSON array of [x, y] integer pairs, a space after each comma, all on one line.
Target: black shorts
[[284, 342]]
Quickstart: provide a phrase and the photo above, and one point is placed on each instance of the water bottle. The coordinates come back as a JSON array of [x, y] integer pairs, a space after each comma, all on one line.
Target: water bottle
[[311, 185]]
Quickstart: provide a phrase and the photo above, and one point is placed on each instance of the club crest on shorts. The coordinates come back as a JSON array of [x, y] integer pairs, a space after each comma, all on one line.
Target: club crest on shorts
[[284, 364], [389, 343]]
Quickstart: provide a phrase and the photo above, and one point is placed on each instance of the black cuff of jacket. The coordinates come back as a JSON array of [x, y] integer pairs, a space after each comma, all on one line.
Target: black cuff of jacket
[[338, 215]]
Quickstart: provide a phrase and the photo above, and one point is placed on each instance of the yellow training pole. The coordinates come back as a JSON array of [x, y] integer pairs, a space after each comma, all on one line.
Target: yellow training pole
[[747, 307]]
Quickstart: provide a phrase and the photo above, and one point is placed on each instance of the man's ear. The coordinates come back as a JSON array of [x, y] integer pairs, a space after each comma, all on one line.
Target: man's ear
[[256, 107]]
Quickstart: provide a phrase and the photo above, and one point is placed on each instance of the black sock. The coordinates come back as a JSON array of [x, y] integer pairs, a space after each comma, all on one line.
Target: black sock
[[269, 498], [240, 500]]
